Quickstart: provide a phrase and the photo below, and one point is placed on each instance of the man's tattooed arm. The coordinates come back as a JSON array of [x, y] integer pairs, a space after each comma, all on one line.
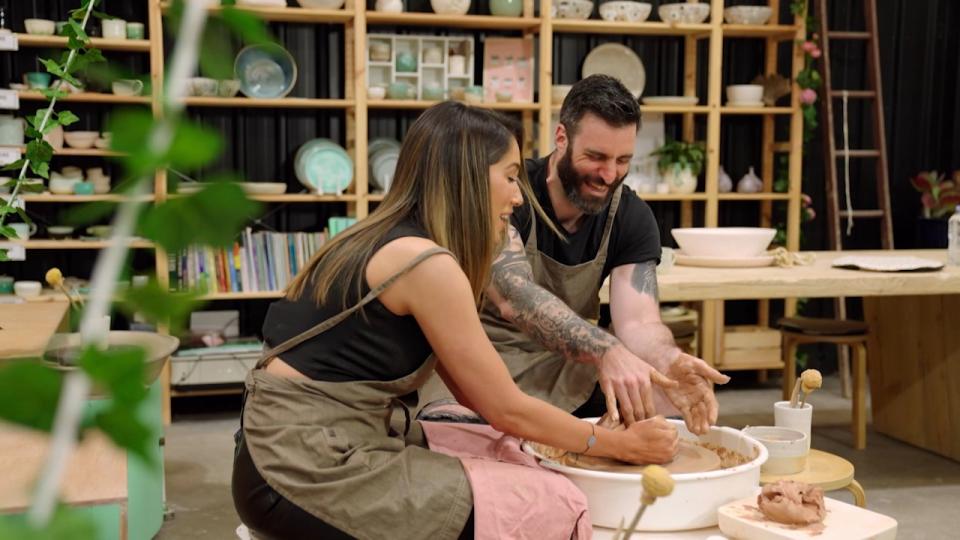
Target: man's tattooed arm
[[635, 310], [540, 314]]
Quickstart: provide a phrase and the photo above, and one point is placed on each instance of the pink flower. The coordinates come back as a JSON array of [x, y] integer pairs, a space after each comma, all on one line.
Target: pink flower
[[810, 214], [815, 53], [809, 46], [808, 96], [807, 201]]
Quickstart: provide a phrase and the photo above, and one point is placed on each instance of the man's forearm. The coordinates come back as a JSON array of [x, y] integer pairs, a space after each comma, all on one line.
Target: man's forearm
[[651, 341]]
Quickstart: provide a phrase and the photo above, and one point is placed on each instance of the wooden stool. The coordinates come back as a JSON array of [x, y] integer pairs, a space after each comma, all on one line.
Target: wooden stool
[[800, 330], [684, 332], [826, 470]]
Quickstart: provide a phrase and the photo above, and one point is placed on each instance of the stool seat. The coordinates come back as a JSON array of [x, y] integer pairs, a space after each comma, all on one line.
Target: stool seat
[[823, 327], [828, 471]]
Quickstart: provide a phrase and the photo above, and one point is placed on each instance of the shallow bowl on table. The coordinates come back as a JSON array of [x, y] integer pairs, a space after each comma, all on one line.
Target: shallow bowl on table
[[723, 241]]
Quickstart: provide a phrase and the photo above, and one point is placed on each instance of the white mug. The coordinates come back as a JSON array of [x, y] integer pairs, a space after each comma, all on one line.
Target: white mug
[[114, 28], [127, 87], [458, 64], [24, 230]]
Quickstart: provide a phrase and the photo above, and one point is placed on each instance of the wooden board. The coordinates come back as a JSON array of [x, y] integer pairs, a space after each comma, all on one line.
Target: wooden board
[[26, 328], [743, 520]]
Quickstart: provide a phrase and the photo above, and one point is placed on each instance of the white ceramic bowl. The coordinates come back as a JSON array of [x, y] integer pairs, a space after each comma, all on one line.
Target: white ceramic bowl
[[450, 7], [723, 241], [39, 27], [745, 93], [625, 11], [787, 448], [747, 14], [321, 4], [80, 139], [613, 498], [27, 289], [684, 13], [572, 9], [63, 185], [376, 92], [558, 92]]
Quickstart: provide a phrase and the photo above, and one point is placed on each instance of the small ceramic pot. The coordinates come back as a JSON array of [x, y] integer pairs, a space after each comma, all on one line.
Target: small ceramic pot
[[389, 6], [127, 87], [406, 62], [474, 94], [750, 183], [114, 28], [135, 30], [458, 64], [37, 80], [432, 93], [725, 183], [203, 86], [379, 51], [83, 188], [27, 289], [506, 8], [433, 55], [680, 180], [504, 97], [798, 418], [400, 90], [100, 231], [6, 285], [228, 88], [458, 93], [377, 92]]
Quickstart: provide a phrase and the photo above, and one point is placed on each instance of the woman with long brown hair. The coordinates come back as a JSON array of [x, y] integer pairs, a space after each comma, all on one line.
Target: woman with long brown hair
[[328, 449]]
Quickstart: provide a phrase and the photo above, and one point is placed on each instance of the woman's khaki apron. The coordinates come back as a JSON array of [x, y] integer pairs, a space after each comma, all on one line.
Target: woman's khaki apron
[[337, 450], [538, 372]]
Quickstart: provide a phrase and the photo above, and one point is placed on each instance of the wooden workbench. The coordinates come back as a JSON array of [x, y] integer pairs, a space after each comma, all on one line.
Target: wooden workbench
[[914, 351], [26, 328]]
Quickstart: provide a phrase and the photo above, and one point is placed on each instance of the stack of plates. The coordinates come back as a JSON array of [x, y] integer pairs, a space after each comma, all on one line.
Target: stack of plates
[[323, 167], [382, 155]]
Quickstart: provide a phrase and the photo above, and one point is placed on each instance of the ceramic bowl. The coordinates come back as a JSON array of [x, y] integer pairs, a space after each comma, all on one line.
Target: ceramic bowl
[[263, 188], [612, 496], [625, 11], [83, 188], [40, 27], [63, 186], [787, 448], [504, 97], [450, 7], [80, 139], [27, 289], [321, 4], [572, 9], [723, 241], [228, 88], [100, 231], [684, 13], [379, 51], [558, 92], [432, 93], [265, 71], [376, 92], [745, 93], [747, 14], [59, 231]]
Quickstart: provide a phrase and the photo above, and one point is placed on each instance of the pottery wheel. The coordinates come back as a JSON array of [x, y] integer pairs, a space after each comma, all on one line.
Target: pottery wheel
[[691, 458]]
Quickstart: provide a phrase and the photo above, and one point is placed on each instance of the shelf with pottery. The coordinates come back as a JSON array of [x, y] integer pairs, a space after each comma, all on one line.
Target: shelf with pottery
[[759, 109], [75, 152], [79, 244], [598, 26], [414, 104], [753, 196], [782, 32], [47, 197], [673, 197], [88, 97], [276, 103], [130, 45], [473, 22], [289, 14]]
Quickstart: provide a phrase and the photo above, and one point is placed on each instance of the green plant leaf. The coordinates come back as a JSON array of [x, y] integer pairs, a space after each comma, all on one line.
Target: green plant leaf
[[135, 124], [7, 231], [193, 146], [40, 168], [50, 93], [4, 256], [118, 369], [211, 217], [76, 35], [15, 166], [67, 118], [250, 28], [160, 306], [86, 214], [29, 392], [39, 150], [216, 46], [66, 524], [121, 424]]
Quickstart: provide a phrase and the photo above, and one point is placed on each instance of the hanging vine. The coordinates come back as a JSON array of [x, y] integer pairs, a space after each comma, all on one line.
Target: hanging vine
[[808, 79]]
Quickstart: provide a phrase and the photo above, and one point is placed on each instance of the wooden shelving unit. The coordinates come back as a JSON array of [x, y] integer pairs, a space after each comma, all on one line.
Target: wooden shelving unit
[[89, 97], [79, 244], [357, 20]]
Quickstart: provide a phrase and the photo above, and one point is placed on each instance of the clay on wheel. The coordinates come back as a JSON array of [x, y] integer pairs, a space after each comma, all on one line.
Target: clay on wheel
[[792, 503]]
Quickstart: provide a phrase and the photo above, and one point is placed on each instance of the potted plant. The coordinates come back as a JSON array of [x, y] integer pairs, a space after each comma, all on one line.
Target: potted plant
[[939, 197], [680, 163]]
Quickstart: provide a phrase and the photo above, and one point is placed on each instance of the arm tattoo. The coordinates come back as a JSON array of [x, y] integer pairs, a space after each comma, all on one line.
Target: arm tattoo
[[542, 315], [644, 279]]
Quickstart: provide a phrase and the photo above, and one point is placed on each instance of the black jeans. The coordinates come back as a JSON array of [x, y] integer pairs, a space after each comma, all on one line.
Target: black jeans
[[271, 516]]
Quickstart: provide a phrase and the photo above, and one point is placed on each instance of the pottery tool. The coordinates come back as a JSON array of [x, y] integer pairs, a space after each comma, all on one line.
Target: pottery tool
[[55, 279], [657, 482], [809, 381]]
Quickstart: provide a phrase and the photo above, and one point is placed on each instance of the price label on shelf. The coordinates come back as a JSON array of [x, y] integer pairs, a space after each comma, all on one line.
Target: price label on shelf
[[8, 41], [15, 252], [9, 154], [9, 99]]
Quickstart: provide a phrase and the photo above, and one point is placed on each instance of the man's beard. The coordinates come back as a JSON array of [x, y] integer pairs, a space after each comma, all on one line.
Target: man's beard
[[572, 181]]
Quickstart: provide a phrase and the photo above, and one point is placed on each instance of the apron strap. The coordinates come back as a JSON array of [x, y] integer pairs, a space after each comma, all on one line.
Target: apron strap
[[608, 226], [338, 318]]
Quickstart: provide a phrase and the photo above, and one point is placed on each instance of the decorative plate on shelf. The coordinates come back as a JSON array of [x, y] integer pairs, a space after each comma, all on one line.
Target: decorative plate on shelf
[[724, 262], [323, 167], [671, 100], [617, 61]]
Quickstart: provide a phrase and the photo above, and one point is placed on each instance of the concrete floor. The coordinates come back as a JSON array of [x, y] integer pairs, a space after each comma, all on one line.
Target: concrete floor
[[917, 488]]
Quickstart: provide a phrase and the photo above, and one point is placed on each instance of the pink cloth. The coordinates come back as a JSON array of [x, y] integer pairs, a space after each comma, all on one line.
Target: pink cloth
[[513, 496]]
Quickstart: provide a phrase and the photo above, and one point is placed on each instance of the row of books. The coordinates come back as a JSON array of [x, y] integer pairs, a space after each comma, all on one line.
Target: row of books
[[257, 261]]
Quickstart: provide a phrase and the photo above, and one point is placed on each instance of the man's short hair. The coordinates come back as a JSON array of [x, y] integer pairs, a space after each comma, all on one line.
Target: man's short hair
[[604, 96]]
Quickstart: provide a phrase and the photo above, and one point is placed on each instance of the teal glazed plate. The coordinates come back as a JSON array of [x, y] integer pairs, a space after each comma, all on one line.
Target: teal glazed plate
[[265, 71], [323, 167]]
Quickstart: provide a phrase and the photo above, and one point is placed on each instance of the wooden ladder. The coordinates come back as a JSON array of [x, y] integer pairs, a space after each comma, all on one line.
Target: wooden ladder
[[836, 216]]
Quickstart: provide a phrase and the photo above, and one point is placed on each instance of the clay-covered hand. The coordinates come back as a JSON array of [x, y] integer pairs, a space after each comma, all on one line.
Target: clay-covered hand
[[693, 395], [629, 381], [653, 440]]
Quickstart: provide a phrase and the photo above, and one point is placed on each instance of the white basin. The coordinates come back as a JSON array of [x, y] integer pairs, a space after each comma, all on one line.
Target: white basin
[[723, 241]]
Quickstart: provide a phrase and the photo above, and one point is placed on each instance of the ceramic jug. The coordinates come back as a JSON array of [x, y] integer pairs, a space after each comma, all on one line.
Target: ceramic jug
[[11, 130]]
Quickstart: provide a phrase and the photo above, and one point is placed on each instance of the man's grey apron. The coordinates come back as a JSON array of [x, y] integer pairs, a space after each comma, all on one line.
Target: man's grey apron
[[337, 450], [538, 372]]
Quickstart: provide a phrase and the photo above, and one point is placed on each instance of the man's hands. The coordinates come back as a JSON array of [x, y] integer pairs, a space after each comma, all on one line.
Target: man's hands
[[693, 394], [628, 381]]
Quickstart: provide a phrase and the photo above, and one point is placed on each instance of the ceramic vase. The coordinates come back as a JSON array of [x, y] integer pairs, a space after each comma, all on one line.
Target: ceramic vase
[[725, 183], [506, 8], [750, 183], [680, 179]]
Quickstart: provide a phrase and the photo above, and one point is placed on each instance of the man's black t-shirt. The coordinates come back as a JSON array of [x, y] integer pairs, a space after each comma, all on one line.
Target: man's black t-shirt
[[635, 237]]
